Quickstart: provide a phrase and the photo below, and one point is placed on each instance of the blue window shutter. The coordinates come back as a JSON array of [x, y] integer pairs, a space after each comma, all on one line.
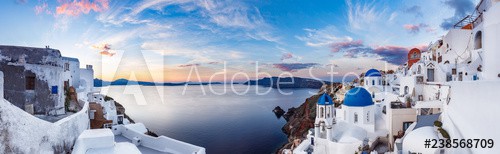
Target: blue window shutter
[[54, 89]]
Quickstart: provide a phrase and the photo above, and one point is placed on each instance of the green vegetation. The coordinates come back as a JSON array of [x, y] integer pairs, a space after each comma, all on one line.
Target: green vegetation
[[66, 99], [444, 132], [107, 98], [438, 123]]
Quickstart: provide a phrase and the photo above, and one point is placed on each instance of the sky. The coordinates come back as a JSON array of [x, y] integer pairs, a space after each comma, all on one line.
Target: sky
[[205, 40]]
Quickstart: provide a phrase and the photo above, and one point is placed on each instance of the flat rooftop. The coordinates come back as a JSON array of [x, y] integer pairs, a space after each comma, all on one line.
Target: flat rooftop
[[144, 150]]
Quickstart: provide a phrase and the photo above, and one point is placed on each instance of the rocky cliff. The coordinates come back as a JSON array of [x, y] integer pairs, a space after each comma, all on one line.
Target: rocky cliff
[[301, 119]]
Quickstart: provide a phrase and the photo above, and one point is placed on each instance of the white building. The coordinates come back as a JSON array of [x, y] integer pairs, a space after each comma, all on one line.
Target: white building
[[87, 78], [358, 109], [347, 129], [71, 67], [455, 82]]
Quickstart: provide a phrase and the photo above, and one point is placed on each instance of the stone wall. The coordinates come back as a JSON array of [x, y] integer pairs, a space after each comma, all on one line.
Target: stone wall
[[45, 65]]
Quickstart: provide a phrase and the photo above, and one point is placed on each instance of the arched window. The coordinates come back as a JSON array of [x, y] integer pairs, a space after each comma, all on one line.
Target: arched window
[[373, 82], [407, 90], [478, 40], [355, 117], [328, 112], [322, 111]]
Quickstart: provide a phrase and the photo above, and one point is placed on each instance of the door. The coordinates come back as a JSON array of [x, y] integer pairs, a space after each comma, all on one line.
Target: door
[[430, 75]]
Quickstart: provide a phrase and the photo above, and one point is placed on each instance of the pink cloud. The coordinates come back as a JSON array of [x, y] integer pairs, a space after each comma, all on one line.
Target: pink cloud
[[395, 54], [213, 63], [77, 7], [286, 56], [390, 53], [293, 67], [104, 49], [340, 46], [42, 8], [189, 65], [415, 28]]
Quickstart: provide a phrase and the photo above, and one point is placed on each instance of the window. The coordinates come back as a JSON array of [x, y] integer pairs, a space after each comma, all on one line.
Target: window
[[368, 116], [120, 119], [327, 112], [406, 125], [92, 114], [30, 82], [355, 117], [373, 82], [478, 44], [66, 66], [322, 112], [430, 75], [54, 90]]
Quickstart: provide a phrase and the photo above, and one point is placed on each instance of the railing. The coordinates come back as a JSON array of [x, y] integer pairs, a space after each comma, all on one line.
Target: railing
[[475, 18], [464, 22]]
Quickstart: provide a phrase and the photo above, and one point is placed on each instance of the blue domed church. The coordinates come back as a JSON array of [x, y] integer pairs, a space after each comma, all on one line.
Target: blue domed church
[[358, 109], [373, 81], [325, 114]]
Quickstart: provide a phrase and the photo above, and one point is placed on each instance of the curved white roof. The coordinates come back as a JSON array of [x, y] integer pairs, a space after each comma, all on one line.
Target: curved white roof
[[415, 140]]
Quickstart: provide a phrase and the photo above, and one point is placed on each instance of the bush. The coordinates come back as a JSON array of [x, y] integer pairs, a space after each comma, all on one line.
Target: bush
[[438, 123], [444, 132], [107, 98]]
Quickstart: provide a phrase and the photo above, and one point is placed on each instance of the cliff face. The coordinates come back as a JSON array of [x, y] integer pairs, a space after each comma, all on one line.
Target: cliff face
[[302, 118]]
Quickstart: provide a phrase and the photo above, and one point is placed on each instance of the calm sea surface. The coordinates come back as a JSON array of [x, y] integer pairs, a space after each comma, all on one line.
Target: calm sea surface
[[227, 123]]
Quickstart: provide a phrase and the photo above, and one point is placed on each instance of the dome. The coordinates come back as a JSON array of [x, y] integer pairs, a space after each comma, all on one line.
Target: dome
[[325, 99], [413, 142], [372, 73], [358, 97]]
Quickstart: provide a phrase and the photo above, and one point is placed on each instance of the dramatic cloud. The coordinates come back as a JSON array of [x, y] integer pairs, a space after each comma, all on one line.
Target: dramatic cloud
[[104, 49], [417, 10], [222, 17], [342, 46], [461, 7], [391, 54], [77, 7], [415, 28], [189, 65], [293, 67]]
